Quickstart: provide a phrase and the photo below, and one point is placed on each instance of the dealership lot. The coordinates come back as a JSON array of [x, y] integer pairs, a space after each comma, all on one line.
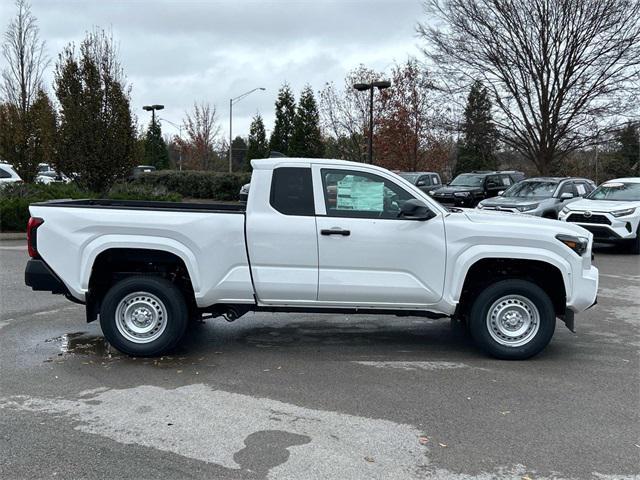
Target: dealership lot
[[306, 396]]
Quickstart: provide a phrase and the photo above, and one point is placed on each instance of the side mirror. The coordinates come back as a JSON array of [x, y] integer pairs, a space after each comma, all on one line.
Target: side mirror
[[421, 183], [500, 193], [566, 196], [415, 210]]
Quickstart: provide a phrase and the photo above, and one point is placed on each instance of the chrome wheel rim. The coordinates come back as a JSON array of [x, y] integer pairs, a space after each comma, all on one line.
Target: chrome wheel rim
[[513, 320], [141, 317]]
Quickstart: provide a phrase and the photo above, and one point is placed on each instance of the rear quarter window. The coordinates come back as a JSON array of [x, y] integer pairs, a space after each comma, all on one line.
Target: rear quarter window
[[292, 191]]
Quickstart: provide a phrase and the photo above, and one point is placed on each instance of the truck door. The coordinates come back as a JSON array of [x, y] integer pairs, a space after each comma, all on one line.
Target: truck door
[[367, 254], [281, 236]]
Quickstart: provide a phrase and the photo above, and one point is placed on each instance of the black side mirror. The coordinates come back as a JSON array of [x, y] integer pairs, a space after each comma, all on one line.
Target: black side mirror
[[415, 210]]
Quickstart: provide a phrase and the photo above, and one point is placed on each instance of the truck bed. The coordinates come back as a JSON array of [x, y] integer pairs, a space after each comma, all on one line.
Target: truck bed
[[146, 205]]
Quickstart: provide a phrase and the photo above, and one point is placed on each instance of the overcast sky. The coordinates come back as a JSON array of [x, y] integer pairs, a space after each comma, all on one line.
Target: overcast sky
[[177, 52]]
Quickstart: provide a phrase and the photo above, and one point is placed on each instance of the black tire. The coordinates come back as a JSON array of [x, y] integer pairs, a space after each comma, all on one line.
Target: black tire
[[481, 331], [163, 297]]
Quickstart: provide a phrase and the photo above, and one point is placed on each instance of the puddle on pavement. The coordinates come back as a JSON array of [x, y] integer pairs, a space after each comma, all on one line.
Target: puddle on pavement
[[82, 343]]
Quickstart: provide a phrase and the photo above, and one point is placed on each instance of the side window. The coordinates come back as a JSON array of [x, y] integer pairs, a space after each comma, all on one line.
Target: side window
[[506, 180], [4, 173], [423, 181], [567, 187], [435, 180], [292, 191], [492, 179], [581, 189], [362, 195]]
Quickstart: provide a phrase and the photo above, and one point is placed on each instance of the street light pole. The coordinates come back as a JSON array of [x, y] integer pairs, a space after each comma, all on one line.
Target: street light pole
[[179, 127], [361, 87], [152, 109], [233, 101]]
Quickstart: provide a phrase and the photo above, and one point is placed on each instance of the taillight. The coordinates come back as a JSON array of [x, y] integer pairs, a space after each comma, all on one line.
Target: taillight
[[32, 236]]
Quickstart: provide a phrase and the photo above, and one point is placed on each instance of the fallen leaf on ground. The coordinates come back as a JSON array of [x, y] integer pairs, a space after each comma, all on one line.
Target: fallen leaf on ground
[[443, 445], [423, 440], [369, 459]]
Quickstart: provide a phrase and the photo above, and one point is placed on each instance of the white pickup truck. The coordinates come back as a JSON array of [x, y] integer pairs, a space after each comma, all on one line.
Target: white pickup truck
[[315, 235]]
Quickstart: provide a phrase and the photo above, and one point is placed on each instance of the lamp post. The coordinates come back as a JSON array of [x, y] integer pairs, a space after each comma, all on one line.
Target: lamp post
[[232, 102], [361, 87], [179, 127], [152, 109]]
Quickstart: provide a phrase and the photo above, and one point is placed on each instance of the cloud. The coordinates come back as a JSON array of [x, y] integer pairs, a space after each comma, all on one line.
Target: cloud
[[178, 52]]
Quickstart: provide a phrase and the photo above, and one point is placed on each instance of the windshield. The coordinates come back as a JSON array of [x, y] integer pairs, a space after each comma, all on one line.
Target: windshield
[[468, 180], [531, 188], [616, 191], [412, 177]]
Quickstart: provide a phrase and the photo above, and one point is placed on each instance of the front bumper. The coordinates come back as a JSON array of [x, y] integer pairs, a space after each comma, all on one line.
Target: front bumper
[[604, 226], [585, 290], [40, 277]]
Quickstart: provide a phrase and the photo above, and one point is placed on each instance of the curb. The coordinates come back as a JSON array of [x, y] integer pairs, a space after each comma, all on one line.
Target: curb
[[13, 236]]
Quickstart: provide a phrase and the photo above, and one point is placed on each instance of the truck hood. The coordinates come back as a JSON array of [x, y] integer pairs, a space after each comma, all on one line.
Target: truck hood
[[602, 205], [512, 201], [518, 223], [458, 188]]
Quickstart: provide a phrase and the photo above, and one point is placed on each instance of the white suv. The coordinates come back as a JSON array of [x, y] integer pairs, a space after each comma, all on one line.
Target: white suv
[[611, 212], [8, 174]]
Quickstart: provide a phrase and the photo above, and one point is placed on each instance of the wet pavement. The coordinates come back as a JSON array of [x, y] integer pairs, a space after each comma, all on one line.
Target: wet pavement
[[310, 396]]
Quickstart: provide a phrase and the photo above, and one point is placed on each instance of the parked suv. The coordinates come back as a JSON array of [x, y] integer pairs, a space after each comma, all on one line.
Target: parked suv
[[468, 189], [425, 181], [540, 196], [8, 174], [611, 212]]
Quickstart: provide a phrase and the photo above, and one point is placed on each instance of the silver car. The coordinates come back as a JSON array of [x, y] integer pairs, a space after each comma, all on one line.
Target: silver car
[[540, 196]]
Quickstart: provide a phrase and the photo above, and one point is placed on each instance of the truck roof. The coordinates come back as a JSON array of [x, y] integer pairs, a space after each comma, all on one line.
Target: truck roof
[[271, 163]]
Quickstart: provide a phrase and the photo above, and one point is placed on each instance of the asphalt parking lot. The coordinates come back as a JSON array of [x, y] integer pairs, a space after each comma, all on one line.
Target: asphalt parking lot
[[305, 396]]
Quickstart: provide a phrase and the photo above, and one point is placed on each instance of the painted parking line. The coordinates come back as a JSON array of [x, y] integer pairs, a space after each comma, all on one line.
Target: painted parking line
[[14, 247], [229, 429], [413, 366]]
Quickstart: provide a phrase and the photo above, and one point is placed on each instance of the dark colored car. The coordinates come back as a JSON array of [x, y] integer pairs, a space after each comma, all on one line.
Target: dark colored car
[[468, 189], [425, 181]]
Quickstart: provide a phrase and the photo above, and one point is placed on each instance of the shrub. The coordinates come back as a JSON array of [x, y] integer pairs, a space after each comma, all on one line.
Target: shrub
[[16, 198], [197, 184]]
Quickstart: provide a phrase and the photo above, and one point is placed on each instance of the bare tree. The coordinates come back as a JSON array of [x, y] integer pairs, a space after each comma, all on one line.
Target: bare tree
[[344, 113], [203, 132], [25, 57], [553, 66]]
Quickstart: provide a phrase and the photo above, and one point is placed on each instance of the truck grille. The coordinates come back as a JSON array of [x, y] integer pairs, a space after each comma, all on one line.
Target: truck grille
[[581, 218]]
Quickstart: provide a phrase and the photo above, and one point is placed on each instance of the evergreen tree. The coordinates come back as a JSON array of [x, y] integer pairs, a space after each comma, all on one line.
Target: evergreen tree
[[306, 140], [257, 147], [155, 148], [239, 152], [628, 140], [280, 140], [476, 149], [96, 138]]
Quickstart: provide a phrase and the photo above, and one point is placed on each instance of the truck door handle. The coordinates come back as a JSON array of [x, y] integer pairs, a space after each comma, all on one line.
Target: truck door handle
[[336, 231]]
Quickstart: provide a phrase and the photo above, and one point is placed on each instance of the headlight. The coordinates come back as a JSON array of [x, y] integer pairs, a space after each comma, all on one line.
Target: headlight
[[526, 208], [565, 211], [480, 206], [431, 192], [462, 194], [623, 213], [577, 244]]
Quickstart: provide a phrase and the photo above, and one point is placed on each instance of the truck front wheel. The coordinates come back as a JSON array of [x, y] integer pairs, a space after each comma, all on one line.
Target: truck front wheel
[[512, 319], [144, 316]]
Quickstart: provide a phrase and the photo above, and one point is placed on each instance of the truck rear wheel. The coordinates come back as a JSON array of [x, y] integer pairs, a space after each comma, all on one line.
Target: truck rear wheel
[[512, 319], [144, 316]]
